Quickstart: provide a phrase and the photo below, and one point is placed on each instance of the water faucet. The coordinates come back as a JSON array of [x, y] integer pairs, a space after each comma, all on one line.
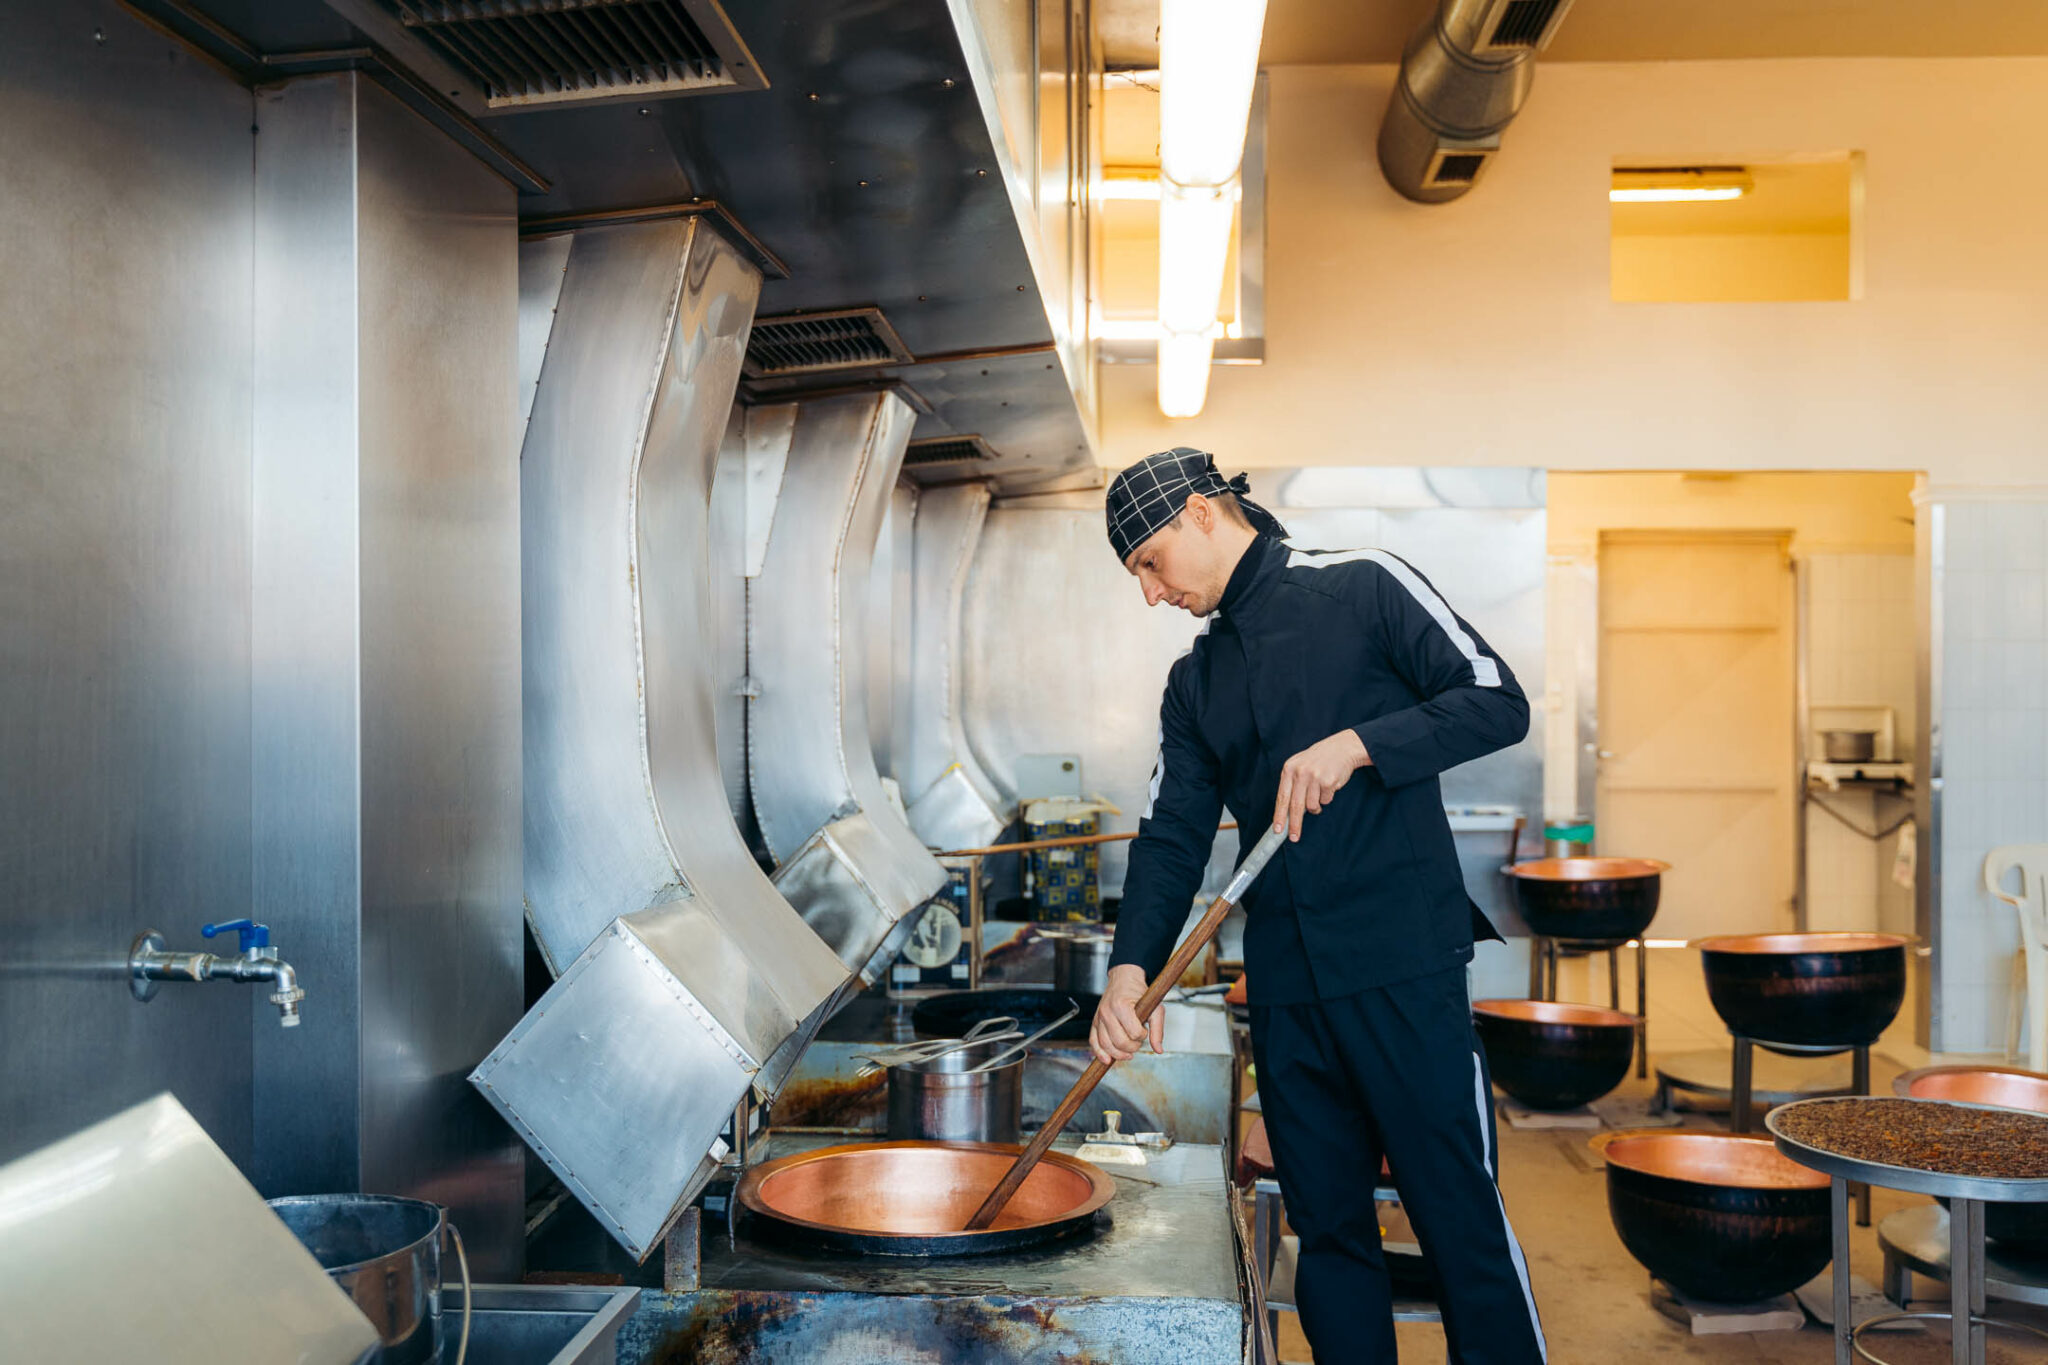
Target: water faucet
[[149, 965]]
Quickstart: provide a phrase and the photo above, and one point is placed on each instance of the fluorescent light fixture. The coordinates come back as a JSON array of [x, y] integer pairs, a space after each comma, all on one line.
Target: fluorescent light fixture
[[1128, 189], [1145, 329], [1678, 184], [1208, 62], [1673, 196], [1184, 373], [1194, 244]]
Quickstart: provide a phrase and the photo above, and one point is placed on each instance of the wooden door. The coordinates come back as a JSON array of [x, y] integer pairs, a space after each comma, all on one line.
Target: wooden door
[[1696, 730]]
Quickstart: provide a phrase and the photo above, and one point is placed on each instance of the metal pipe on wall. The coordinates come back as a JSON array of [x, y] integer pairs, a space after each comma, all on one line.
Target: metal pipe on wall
[[683, 975]]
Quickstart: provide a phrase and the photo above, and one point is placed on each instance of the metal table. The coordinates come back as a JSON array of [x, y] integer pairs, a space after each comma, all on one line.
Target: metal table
[[1966, 1196]]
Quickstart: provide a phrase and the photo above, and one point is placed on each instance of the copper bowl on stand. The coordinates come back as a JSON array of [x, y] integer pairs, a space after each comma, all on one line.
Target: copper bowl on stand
[[1809, 991], [1588, 900], [1554, 1056], [914, 1198], [1718, 1216], [2014, 1226]]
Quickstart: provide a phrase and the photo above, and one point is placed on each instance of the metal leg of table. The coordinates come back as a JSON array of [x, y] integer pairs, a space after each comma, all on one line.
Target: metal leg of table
[[1859, 1082], [1739, 1084], [1642, 1010], [1966, 1281], [1838, 1225]]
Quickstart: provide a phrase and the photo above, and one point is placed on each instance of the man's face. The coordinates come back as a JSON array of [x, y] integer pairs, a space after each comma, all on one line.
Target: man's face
[[1177, 566]]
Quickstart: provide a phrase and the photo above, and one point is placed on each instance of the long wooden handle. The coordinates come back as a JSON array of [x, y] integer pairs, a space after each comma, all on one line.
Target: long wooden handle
[[1070, 841], [1205, 929]]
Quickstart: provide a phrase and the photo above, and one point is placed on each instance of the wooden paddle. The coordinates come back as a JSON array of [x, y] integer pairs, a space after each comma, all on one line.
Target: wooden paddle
[[1261, 854]]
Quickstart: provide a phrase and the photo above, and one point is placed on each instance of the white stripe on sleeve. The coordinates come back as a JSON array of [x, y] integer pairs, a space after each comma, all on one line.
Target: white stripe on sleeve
[[1485, 671]]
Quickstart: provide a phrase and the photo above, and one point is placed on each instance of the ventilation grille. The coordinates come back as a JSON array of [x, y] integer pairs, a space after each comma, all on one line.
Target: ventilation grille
[[1457, 168], [548, 52], [923, 456], [1522, 25], [811, 343]]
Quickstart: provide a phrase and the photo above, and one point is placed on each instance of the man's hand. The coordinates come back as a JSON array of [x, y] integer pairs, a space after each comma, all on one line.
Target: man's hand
[[1313, 776], [1118, 1033]]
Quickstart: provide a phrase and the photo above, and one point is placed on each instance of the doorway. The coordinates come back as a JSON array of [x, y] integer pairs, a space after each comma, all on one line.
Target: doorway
[[1696, 706]]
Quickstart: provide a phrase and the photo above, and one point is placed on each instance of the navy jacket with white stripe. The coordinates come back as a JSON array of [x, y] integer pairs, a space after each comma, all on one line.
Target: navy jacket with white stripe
[[1305, 644]]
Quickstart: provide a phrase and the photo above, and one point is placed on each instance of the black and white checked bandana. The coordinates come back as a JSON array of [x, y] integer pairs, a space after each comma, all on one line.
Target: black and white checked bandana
[[1153, 491]]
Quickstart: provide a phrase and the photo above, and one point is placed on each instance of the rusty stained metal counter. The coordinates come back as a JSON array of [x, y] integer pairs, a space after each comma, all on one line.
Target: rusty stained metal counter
[[1186, 1093], [1158, 1281]]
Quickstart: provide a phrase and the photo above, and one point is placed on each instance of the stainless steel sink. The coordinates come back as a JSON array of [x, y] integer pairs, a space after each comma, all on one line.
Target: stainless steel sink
[[538, 1324]]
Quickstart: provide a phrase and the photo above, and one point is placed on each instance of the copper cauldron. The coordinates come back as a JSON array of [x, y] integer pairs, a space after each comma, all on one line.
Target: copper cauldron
[[1806, 990], [1716, 1215], [914, 1198], [1553, 1056], [2012, 1225], [1588, 900]]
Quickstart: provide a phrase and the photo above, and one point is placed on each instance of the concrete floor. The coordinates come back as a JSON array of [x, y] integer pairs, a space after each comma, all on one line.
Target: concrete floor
[[1595, 1297]]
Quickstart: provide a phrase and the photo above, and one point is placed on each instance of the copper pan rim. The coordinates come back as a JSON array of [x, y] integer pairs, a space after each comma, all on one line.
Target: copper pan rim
[[1554, 1012], [1587, 869], [1793, 945], [1704, 1157], [2004, 1087], [757, 1193]]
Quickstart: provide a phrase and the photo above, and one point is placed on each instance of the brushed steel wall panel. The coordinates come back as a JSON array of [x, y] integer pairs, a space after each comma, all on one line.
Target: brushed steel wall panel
[[953, 803], [125, 353]]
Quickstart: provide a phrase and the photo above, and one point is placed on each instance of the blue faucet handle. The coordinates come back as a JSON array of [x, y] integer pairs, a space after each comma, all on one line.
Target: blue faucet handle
[[254, 935]]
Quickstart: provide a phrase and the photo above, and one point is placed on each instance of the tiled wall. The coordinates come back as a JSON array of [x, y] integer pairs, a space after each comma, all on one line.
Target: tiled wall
[[1992, 585], [1859, 652]]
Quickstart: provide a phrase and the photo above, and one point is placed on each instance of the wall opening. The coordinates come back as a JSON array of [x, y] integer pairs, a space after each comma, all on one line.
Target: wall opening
[[1736, 232]]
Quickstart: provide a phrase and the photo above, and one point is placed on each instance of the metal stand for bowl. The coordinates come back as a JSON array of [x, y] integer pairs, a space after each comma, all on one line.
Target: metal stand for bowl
[[1916, 1240], [1740, 1097], [1966, 1195], [1543, 955]]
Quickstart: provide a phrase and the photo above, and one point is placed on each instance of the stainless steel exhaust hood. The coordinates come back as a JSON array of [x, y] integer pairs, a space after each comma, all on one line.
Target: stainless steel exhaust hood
[[686, 973], [847, 859], [953, 804]]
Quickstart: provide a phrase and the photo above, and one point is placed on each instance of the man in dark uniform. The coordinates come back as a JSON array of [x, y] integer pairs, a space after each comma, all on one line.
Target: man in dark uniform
[[1336, 685]]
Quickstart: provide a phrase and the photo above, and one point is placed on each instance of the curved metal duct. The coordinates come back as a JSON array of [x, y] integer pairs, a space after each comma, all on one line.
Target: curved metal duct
[[684, 978], [1463, 80], [847, 860], [953, 802]]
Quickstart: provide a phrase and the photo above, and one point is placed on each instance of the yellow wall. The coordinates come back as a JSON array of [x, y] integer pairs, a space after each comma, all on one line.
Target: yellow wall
[[1482, 331], [1746, 268], [1827, 513]]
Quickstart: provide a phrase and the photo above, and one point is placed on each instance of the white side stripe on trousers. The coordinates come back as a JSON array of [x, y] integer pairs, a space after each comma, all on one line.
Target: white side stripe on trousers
[[1514, 1247], [1485, 672]]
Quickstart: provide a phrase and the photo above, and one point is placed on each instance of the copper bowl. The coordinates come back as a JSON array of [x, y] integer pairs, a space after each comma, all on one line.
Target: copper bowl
[[1554, 1056], [1806, 990], [2012, 1225], [1719, 1216], [1588, 900], [914, 1198]]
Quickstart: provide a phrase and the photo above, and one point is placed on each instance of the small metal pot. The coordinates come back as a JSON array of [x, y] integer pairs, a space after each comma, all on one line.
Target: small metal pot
[[384, 1252], [946, 1100], [1080, 960], [1849, 746]]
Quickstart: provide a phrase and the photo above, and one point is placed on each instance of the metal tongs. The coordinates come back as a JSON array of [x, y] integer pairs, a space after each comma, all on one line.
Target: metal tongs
[[1015, 1048], [1000, 1028]]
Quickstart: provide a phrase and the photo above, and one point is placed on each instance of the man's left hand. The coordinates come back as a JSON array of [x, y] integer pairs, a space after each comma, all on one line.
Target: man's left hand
[[1313, 776]]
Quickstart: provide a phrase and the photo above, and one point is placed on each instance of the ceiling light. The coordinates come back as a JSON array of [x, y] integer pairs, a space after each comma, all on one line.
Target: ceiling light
[[1194, 244], [1184, 373], [1126, 188], [1679, 185]]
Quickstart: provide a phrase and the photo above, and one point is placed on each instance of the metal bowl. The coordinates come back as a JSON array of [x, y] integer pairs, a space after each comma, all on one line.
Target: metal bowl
[[950, 1015], [1553, 1056], [2013, 1225], [914, 1198], [1718, 1216], [1807, 990], [1588, 900]]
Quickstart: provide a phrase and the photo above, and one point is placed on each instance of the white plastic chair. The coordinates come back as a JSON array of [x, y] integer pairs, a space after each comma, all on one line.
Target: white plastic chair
[[2030, 964]]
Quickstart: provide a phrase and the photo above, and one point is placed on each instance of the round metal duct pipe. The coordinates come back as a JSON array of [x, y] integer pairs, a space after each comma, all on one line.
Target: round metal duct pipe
[[1463, 79]]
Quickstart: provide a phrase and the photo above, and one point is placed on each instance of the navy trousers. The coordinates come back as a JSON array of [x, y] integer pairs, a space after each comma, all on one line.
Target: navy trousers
[[1394, 1071]]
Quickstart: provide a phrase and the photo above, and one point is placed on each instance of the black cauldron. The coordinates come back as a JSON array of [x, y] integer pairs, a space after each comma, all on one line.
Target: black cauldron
[[1588, 900], [1552, 1056], [1718, 1216], [952, 1014], [1807, 990], [2014, 1226]]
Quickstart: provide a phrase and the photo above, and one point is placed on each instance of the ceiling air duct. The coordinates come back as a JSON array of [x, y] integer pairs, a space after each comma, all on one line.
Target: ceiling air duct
[[1463, 80]]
